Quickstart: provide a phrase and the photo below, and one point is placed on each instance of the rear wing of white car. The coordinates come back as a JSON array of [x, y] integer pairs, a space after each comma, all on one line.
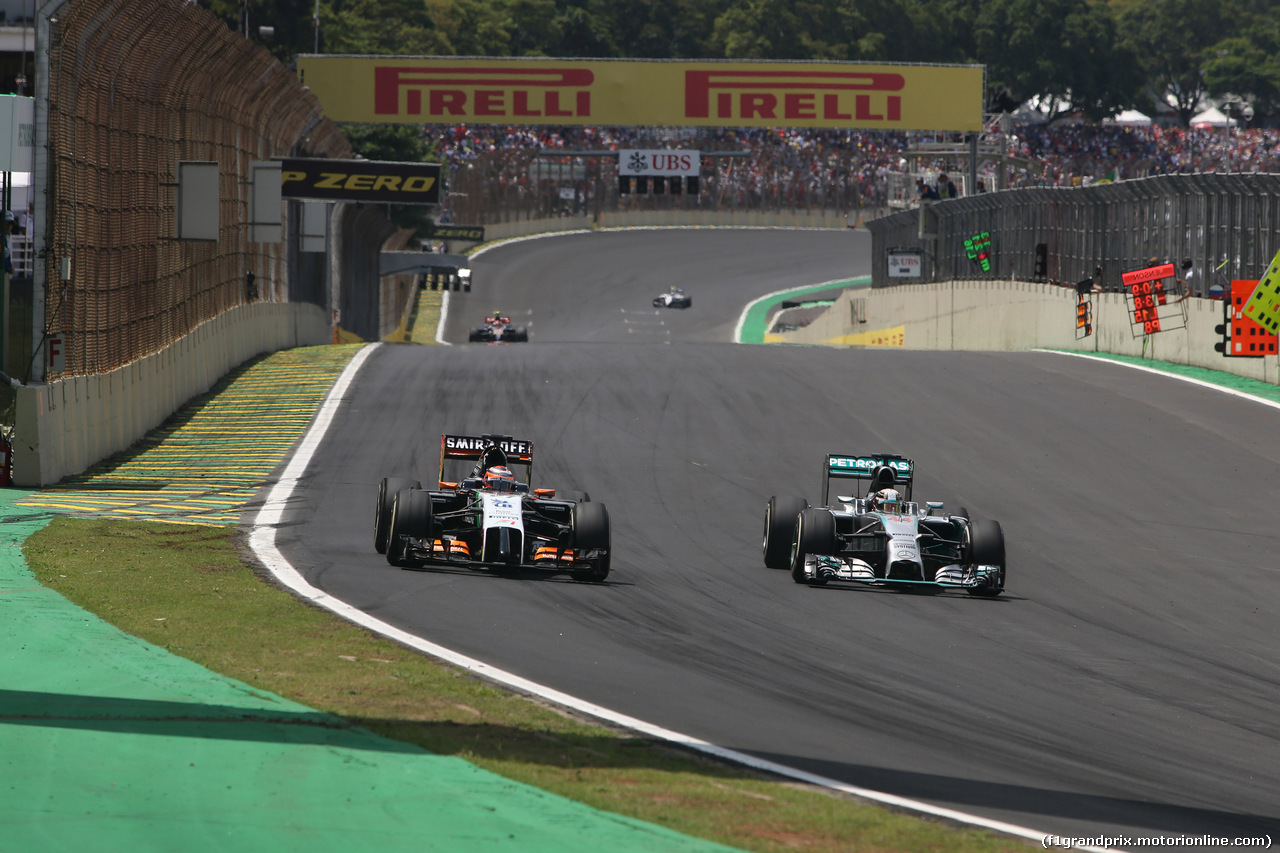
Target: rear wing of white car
[[876, 470], [486, 451]]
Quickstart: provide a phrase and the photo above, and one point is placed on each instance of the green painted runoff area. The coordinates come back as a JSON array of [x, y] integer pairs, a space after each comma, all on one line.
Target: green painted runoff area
[[757, 320], [109, 743]]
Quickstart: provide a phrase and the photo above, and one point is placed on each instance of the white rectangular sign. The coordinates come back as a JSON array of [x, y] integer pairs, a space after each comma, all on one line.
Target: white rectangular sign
[[660, 162], [17, 133], [904, 266]]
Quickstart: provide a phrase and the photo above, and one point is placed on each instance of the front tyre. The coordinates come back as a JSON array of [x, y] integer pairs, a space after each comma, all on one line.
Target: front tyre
[[779, 529], [986, 548], [410, 517], [387, 490], [590, 523], [815, 534]]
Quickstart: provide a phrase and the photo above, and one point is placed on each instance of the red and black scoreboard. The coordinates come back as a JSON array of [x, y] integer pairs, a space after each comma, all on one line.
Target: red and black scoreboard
[[1154, 297]]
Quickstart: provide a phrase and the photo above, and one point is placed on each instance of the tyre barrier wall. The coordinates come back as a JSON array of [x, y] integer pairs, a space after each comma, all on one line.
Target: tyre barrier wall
[[66, 426], [995, 315]]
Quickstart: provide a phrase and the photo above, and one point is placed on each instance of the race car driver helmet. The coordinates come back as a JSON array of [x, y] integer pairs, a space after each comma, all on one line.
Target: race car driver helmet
[[887, 500], [500, 478]]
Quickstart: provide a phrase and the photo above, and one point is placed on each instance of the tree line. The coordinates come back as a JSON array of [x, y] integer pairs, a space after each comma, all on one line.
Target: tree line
[[1095, 57]]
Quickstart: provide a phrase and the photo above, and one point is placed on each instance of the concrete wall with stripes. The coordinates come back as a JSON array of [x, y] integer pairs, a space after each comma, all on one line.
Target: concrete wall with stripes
[[1013, 315], [68, 425]]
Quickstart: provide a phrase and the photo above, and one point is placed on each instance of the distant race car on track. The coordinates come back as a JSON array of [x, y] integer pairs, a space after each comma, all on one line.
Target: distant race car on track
[[882, 537], [498, 329], [489, 519], [673, 298]]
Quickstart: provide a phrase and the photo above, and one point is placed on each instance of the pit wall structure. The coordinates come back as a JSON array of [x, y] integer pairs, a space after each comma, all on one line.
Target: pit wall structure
[[64, 427], [1014, 315], [682, 218]]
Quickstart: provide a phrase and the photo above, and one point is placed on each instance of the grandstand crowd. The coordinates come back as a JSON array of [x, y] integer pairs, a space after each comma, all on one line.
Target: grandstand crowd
[[847, 169]]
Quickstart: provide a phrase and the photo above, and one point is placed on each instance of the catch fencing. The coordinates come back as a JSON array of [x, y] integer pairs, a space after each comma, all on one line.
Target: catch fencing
[[134, 87], [518, 185], [1227, 225]]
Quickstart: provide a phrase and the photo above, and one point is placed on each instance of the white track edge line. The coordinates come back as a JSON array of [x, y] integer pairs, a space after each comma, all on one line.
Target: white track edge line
[[1201, 382], [262, 539]]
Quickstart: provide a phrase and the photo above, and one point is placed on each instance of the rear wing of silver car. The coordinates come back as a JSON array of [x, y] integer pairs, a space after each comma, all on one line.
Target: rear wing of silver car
[[871, 472], [486, 451]]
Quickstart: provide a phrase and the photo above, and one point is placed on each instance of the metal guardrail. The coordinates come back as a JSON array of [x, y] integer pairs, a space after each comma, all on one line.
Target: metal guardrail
[[1227, 225]]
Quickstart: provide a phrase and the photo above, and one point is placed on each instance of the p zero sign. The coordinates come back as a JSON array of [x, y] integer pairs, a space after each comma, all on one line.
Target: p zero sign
[[360, 180], [413, 90]]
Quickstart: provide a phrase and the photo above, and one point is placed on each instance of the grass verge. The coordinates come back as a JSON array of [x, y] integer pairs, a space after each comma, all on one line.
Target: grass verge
[[195, 591]]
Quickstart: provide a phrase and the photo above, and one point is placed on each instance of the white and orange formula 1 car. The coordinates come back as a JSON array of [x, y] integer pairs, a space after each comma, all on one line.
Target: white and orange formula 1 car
[[882, 537], [490, 519]]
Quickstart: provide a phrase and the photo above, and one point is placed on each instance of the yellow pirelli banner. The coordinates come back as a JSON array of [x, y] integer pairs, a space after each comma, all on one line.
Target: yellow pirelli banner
[[392, 89]]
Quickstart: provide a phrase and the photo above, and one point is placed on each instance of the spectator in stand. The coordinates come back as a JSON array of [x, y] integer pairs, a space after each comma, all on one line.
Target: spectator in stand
[[946, 189]]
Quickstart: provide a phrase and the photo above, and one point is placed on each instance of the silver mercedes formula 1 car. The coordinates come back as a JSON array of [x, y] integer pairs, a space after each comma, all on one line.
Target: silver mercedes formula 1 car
[[881, 536], [489, 519]]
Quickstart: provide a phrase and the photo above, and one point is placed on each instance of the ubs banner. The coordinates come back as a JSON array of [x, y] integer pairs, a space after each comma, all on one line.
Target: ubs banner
[[391, 89]]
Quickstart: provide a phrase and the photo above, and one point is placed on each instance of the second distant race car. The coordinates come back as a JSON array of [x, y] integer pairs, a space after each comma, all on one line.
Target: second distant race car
[[675, 297], [497, 328]]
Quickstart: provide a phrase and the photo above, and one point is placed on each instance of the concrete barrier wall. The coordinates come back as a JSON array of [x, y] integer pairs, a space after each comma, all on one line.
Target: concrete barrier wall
[[994, 315], [693, 218], [66, 426]]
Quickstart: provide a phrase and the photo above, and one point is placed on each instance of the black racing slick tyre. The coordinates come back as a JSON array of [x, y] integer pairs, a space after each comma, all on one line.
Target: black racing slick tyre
[[986, 548], [387, 490], [779, 529], [410, 516], [657, 303], [815, 534], [591, 533]]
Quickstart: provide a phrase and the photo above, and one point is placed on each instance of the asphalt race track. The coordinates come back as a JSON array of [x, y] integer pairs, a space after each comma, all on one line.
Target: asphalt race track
[[1127, 682]]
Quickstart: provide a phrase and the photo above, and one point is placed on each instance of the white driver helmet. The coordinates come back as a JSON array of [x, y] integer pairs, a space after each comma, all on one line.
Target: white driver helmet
[[887, 500]]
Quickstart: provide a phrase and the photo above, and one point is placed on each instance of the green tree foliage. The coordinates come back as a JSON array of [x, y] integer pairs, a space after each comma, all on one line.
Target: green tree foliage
[[396, 142], [1247, 67], [664, 29], [1065, 52], [403, 27], [1099, 56], [1174, 40]]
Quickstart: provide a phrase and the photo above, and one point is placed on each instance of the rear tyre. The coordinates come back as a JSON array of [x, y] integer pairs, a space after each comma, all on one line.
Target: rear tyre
[[590, 533], [410, 516], [779, 529], [522, 335], [387, 490], [815, 534], [986, 548]]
